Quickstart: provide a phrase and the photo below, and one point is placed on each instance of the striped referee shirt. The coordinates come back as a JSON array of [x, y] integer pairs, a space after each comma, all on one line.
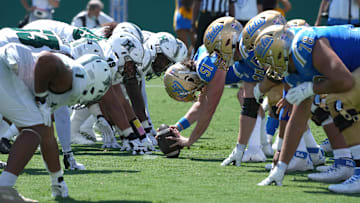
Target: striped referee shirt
[[218, 6]]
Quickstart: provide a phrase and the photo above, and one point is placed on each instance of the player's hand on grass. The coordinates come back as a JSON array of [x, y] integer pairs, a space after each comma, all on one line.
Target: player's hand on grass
[[276, 175], [235, 157]]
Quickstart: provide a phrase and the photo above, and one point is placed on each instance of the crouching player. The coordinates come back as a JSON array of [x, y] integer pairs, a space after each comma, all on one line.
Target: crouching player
[[302, 55]]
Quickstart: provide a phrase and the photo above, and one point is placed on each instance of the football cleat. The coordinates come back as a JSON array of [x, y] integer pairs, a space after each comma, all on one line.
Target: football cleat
[[341, 170], [317, 156], [9, 194], [5, 146], [70, 162], [2, 165], [350, 186], [326, 146], [59, 189], [80, 139], [254, 154], [147, 143], [323, 168], [301, 161]]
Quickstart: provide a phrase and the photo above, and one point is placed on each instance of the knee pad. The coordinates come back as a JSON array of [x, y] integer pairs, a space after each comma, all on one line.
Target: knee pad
[[250, 107]]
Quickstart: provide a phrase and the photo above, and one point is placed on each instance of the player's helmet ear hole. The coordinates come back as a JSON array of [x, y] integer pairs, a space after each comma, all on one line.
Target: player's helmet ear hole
[[84, 92], [92, 90]]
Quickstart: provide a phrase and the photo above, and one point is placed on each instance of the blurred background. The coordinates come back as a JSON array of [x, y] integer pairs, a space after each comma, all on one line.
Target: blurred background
[[152, 15]]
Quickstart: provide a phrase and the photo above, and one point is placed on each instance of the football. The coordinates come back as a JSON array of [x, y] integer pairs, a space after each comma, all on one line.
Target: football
[[164, 143]]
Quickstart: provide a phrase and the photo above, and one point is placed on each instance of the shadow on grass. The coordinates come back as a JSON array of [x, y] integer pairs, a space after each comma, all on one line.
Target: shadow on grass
[[33, 171], [206, 160], [327, 192], [69, 199]]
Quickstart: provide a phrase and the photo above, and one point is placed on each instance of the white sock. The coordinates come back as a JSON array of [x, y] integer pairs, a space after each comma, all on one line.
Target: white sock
[[302, 146], [255, 139], [342, 153], [63, 127], [7, 179], [263, 134], [127, 131], [77, 118], [145, 124], [309, 139], [55, 176], [355, 152]]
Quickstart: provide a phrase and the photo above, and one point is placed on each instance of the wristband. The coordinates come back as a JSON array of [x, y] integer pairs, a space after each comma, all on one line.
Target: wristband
[[182, 124]]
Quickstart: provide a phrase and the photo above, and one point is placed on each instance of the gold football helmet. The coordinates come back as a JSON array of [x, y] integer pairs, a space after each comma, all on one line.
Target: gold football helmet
[[181, 83], [258, 23], [221, 36], [297, 23], [272, 48]]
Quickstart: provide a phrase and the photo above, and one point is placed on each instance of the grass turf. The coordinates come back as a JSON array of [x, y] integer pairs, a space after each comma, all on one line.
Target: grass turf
[[196, 176]]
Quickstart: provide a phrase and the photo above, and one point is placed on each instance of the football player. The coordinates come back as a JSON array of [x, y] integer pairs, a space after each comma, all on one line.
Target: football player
[[33, 86], [314, 61], [339, 170], [121, 50], [40, 40]]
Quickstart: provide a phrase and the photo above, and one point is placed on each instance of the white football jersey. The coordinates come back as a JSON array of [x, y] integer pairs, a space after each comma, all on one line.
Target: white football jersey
[[36, 40], [21, 60], [64, 30]]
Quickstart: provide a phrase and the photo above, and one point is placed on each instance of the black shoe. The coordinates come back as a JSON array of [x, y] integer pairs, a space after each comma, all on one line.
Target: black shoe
[[5, 146]]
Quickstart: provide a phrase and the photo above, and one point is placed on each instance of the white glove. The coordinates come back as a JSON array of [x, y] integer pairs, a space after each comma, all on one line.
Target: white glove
[[235, 156], [258, 94], [106, 132], [276, 175], [45, 111], [299, 93]]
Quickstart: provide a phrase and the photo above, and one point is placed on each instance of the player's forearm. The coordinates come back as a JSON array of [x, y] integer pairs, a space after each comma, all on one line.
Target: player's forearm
[[134, 92], [295, 127]]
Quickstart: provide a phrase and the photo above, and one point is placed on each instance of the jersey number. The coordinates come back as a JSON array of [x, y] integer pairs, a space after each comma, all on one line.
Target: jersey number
[[39, 39]]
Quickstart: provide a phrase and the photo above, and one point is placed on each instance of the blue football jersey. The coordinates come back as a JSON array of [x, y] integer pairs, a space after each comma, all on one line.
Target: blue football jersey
[[240, 71], [344, 40]]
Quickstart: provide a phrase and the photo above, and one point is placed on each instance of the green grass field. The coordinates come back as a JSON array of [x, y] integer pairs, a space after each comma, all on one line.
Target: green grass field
[[196, 176]]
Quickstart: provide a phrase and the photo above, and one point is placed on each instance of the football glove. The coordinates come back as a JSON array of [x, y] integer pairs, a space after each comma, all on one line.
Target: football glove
[[276, 175], [299, 93], [235, 156]]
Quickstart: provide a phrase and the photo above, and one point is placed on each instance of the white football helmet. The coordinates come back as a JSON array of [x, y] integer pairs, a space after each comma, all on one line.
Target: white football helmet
[[98, 75], [165, 43], [130, 28], [127, 48], [146, 34], [84, 46], [182, 51]]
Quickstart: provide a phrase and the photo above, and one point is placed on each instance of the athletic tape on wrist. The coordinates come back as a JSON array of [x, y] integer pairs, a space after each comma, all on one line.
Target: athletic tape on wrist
[[182, 124]]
